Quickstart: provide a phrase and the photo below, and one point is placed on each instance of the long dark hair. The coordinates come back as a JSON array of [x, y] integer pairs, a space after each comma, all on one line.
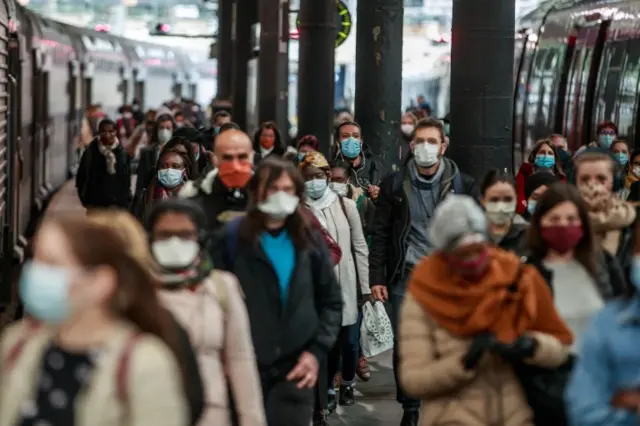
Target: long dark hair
[[135, 298], [495, 176], [557, 169], [558, 193], [153, 140], [297, 225], [278, 146]]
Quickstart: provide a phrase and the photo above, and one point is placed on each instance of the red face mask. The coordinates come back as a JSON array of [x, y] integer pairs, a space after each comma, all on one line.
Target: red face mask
[[472, 269], [267, 142], [561, 238], [235, 174]]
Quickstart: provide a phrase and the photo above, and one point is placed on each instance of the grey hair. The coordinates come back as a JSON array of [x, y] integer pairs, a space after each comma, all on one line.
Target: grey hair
[[456, 217]]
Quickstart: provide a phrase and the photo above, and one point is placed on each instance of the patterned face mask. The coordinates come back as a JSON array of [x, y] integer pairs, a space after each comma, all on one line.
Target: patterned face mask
[[596, 196]]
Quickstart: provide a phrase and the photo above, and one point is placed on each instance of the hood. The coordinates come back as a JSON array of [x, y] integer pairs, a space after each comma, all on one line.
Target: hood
[[193, 187]]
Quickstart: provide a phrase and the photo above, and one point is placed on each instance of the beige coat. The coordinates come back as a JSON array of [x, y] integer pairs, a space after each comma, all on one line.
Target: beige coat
[[216, 318], [155, 394], [431, 370]]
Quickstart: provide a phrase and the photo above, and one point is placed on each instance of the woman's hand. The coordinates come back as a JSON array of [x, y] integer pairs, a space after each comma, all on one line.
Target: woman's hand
[[524, 347], [479, 346]]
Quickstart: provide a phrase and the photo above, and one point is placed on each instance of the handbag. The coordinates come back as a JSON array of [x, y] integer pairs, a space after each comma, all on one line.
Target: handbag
[[544, 389]]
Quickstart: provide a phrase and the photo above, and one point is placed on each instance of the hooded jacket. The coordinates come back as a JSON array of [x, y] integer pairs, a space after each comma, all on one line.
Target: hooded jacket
[[390, 225], [368, 172]]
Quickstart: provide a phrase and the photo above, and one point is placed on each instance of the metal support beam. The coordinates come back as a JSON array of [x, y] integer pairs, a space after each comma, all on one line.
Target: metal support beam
[[225, 49], [482, 85], [378, 105], [316, 70], [245, 13], [273, 63]]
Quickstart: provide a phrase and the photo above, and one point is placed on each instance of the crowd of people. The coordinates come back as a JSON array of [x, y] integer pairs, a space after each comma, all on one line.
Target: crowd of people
[[226, 287]]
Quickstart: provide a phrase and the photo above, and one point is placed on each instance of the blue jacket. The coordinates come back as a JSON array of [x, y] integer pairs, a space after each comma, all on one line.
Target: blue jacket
[[609, 361]]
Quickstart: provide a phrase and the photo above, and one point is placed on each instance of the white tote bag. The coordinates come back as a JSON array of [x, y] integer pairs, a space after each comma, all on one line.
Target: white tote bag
[[376, 335]]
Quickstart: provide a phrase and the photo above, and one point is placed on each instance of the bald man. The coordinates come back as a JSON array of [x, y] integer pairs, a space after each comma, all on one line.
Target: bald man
[[221, 193]]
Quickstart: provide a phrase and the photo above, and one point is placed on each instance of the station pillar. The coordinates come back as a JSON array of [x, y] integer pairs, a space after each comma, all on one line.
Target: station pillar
[[482, 55], [245, 12], [316, 70], [378, 100], [273, 63], [225, 47]]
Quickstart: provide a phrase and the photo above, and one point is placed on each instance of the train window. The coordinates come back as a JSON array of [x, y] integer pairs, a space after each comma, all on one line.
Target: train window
[[629, 90], [533, 98], [551, 78], [610, 80], [572, 94]]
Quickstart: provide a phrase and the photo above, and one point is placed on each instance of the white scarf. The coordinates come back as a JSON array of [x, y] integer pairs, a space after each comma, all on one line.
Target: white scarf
[[110, 157], [264, 151], [324, 202]]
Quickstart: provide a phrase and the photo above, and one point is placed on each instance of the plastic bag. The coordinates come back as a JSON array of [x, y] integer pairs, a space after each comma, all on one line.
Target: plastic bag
[[376, 334]]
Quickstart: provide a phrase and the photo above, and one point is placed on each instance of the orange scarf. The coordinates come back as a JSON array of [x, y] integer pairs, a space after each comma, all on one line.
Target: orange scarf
[[467, 308]]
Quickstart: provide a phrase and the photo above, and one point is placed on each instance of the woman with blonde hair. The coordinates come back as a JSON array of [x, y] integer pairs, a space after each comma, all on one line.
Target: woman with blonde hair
[[99, 349], [137, 244]]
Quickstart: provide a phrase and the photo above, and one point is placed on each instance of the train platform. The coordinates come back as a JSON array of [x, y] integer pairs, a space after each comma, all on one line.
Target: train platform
[[65, 200]]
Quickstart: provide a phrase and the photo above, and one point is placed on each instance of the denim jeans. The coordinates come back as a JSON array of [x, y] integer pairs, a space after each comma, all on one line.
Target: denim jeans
[[396, 297], [347, 348]]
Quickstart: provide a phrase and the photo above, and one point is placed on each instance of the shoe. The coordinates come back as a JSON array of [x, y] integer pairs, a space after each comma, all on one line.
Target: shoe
[[337, 379], [410, 418], [363, 371], [346, 395], [320, 418], [332, 404]]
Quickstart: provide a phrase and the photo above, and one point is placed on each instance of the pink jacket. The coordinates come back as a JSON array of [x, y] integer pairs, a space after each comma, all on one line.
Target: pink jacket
[[216, 318]]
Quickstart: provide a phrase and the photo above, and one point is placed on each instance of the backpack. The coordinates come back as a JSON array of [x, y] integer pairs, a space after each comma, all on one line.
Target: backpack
[[122, 369]]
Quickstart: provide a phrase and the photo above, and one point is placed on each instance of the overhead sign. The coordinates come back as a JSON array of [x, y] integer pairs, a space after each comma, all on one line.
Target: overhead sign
[[343, 22]]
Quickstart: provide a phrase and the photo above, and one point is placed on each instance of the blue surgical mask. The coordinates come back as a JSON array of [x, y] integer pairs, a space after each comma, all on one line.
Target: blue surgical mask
[[316, 188], [622, 158], [217, 130], [531, 206], [635, 272], [301, 155], [164, 135], [170, 178], [545, 161], [44, 291], [351, 147], [605, 140]]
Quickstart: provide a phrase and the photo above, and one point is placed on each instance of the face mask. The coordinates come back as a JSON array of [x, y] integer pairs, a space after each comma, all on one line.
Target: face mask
[[301, 155], [595, 196], [636, 171], [472, 269], [635, 272], [531, 206], [175, 253], [622, 158], [216, 130], [179, 124], [235, 174], [316, 188], [279, 205], [351, 147], [605, 140], [561, 238], [339, 188], [170, 178], [127, 115], [164, 135], [545, 161], [267, 142], [44, 291], [407, 129], [500, 213], [426, 154]]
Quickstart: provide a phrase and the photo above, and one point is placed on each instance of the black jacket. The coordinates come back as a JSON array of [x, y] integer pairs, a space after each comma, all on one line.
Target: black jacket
[[99, 189], [515, 240], [391, 222], [146, 167], [310, 320], [610, 278], [368, 172], [218, 202]]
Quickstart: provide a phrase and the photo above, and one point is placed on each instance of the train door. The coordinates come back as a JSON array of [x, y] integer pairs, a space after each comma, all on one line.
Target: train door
[[73, 132], [520, 98], [138, 86], [193, 91], [87, 83], [36, 141], [47, 133], [628, 101], [124, 85], [588, 124]]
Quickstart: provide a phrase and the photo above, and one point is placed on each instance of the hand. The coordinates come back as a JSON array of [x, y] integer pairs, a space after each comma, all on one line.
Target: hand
[[305, 371], [379, 292], [367, 298], [374, 191], [628, 399], [480, 344], [523, 347]]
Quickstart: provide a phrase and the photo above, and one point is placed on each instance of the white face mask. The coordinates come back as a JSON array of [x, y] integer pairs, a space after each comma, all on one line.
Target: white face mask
[[175, 253], [500, 212], [164, 135], [636, 171], [407, 129], [339, 188], [279, 205], [426, 154]]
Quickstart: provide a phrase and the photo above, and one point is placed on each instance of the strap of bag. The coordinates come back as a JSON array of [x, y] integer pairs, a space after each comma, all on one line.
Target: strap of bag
[[353, 254], [122, 372], [16, 350], [457, 184]]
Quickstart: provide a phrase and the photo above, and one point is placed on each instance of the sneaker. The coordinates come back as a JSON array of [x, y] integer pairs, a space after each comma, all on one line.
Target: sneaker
[[332, 404], [363, 371], [346, 395], [320, 418]]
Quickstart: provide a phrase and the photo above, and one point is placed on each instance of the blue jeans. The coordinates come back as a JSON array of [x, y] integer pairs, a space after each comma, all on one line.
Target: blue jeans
[[396, 297], [347, 348]]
